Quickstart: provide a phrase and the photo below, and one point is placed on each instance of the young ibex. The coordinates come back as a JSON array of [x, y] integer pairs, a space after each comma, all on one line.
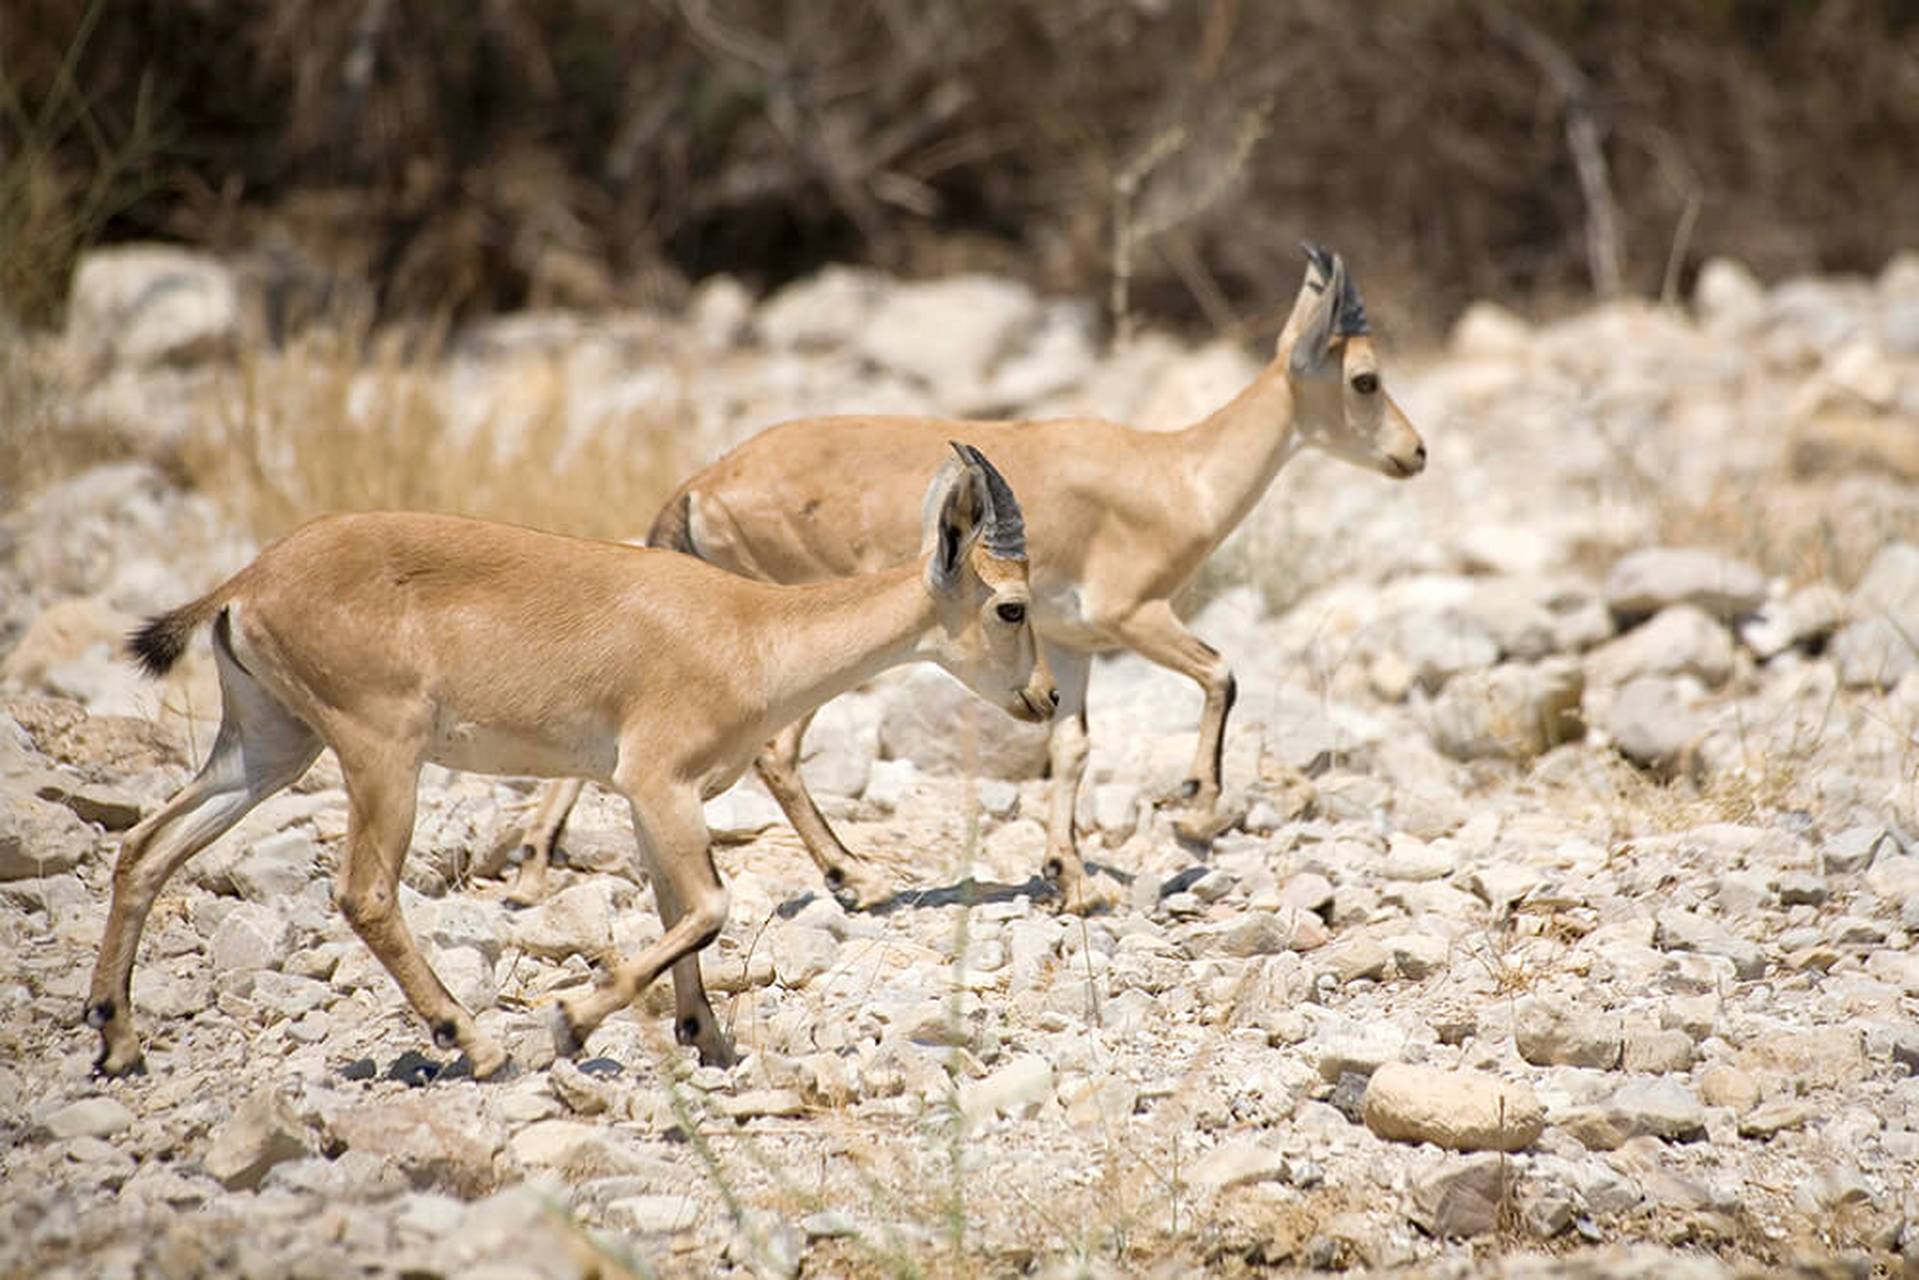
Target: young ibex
[[397, 639], [1122, 519]]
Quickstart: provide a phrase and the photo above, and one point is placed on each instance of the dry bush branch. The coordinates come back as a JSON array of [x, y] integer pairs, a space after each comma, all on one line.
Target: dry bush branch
[[452, 159]]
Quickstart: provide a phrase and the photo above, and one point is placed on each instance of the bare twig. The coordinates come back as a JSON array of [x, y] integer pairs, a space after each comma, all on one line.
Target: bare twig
[[791, 112], [1177, 248], [1584, 138], [1681, 241], [1125, 187]]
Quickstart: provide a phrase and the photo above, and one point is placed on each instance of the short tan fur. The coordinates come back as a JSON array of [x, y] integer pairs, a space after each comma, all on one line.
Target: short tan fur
[[398, 639], [1121, 521]]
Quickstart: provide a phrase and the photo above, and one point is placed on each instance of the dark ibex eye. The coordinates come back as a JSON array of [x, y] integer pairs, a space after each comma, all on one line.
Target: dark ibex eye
[[1013, 614], [1365, 383]]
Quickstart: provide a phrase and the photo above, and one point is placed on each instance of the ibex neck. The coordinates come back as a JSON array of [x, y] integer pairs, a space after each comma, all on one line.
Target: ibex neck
[[1238, 449], [835, 635]]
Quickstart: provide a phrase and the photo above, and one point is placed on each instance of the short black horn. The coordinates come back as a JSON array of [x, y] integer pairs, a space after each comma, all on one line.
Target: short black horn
[[1005, 534], [1351, 320], [1321, 261], [1349, 313]]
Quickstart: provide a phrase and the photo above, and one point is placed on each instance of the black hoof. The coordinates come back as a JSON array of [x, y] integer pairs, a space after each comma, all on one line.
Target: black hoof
[[720, 1055]]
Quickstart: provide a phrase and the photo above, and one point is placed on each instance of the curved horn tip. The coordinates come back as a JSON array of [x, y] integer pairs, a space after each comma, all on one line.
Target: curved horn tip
[[1320, 262], [1006, 525]]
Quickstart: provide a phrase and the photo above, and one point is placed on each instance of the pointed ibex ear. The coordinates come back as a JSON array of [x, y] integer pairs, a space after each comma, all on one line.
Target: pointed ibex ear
[[1328, 307], [955, 515]]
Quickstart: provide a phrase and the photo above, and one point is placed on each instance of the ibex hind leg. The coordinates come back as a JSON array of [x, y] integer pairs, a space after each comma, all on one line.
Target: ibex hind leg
[[542, 841], [260, 748]]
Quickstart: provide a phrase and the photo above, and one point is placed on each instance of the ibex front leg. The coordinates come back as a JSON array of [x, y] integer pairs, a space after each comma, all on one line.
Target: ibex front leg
[[671, 825], [1155, 633], [851, 879], [693, 1020], [1067, 755]]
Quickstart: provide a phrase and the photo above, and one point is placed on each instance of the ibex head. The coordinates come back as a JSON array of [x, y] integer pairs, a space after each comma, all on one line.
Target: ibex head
[[1328, 349], [975, 544]]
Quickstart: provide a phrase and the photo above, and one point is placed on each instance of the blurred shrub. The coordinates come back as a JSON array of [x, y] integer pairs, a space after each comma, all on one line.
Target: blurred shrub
[[65, 172], [344, 419], [467, 157]]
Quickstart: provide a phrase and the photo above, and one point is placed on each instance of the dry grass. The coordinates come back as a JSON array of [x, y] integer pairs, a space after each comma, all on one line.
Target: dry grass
[[39, 443], [917, 1187], [1823, 527], [351, 419], [1753, 795], [1789, 528]]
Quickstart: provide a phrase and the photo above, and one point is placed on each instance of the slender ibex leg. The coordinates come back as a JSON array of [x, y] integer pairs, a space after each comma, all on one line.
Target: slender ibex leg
[[693, 1020], [672, 827], [260, 748], [557, 799], [1067, 756], [851, 878], [1155, 633], [382, 781]]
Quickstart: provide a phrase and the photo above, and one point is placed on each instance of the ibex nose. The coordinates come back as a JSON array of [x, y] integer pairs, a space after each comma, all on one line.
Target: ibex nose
[[1401, 466]]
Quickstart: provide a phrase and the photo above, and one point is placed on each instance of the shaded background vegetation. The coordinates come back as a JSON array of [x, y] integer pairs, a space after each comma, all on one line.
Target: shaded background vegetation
[[467, 156]]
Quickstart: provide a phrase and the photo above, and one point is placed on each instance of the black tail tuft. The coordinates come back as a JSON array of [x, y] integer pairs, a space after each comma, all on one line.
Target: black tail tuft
[[159, 644]]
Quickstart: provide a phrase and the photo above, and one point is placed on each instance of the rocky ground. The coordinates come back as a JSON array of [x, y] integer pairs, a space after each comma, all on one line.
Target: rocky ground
[[1568, 929]]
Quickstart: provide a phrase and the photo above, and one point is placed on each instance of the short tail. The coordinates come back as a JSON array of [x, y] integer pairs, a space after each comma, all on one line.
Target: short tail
[[158, 644], [673, 527]]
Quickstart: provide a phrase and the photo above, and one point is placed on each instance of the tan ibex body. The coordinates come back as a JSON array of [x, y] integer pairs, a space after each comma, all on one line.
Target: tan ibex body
[[398, 639], [1122, 519]]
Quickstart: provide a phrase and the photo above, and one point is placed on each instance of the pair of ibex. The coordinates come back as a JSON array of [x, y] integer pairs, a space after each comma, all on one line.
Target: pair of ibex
[[397, 639]]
